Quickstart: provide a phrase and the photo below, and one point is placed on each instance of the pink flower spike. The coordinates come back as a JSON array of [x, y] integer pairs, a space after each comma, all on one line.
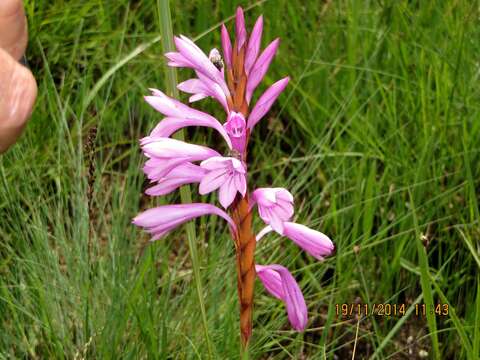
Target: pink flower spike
[[161, 220], [260, 68], [266, 101], [227, 47], [281, 284], [236, 130], [240, 31], [313, 242], [275, 206], [253, 45], [186, 173], [226, 173]]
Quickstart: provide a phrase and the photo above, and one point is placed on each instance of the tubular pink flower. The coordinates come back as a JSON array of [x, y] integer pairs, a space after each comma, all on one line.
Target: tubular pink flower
[[200, 62], [253, 45], [161, 220], [186, 173], [227, 47], [169, 125], [179, 116], [202, 88], [240, 31], [281, 284], [176, 59], [236, 130], [226, 173], [260, 68], [165, 154], [266, 101], [174, 108], [313, 242], [275, 206]]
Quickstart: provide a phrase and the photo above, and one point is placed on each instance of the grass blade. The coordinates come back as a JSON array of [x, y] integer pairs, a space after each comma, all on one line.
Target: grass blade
[[425, 283], [171, 88]]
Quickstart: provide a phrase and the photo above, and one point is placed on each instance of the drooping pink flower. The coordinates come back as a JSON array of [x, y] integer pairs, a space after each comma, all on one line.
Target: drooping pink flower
[[253, 45], [182, 174], [226, 173], [266, 101], [260, 68], [161, 220], [281, 284], [313, 242], [275, 206], [236, 129]]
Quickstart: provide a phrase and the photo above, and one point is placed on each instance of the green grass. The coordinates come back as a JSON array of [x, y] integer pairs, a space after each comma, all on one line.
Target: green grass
[[377, 136]]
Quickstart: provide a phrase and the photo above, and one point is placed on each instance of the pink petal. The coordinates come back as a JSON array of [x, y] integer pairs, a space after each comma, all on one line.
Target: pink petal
[[200, 61], [216, 162], [171, 148], [260, 67], [172, 107], [240, 31], [227, 193], [253, 45], [170, 125], [177, 60], [266, 101], [227, 47], [182, 174], [212, 181]]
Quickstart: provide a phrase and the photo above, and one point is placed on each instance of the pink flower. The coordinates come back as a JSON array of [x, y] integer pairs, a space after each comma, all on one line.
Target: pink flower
[[280, 283], [186, 173], [165, 154], [236, 130], [161, 220], [211, 78], [313, 242], [179, 116], [226, 173], [275, 206]]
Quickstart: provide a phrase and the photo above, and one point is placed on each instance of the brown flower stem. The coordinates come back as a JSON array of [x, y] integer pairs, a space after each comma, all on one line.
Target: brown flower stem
[[245, 250], [245, 239]]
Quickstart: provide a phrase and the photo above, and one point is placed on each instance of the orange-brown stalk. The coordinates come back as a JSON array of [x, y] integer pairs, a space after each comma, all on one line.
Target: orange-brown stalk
[[245, 239]]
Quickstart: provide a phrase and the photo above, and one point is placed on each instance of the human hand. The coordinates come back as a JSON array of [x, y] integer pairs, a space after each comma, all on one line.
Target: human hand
[[18, 88]]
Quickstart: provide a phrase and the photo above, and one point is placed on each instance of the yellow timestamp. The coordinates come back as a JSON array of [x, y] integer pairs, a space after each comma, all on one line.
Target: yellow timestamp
[[434, 309], [347, 310]]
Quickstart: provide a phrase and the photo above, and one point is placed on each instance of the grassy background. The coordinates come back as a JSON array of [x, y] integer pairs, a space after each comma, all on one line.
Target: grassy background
[[377, 136]]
